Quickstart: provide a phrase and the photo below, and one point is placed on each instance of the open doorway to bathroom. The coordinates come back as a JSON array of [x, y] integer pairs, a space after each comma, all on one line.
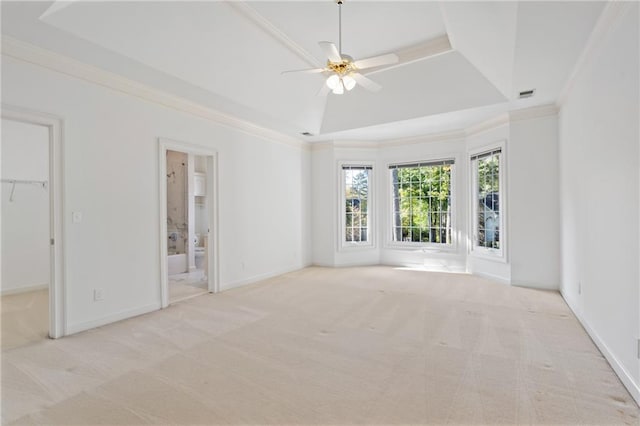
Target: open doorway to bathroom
[[187, 225], [188, 218], [31, 284]]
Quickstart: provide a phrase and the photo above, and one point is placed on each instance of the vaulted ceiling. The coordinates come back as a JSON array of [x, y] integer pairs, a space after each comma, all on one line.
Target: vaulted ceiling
[[460, 62]]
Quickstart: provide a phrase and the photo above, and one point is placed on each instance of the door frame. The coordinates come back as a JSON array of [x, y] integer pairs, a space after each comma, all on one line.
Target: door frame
[[57, 293], [164, 145]]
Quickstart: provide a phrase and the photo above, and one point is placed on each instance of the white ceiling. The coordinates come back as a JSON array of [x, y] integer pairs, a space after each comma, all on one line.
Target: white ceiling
[[229, 56]]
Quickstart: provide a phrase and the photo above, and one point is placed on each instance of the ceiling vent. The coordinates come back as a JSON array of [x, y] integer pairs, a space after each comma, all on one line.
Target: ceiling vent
[[527, 93], [306, 134]]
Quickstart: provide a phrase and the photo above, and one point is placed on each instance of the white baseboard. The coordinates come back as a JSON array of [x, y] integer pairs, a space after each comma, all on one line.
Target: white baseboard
[[355, 264], [618, 368], [260, 277], [537, 286], [24, 289], [118, 316], [491, 277]]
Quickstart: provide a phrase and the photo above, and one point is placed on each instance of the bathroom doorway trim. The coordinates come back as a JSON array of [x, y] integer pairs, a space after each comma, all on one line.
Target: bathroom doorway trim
[[212, 212], [55, 125]]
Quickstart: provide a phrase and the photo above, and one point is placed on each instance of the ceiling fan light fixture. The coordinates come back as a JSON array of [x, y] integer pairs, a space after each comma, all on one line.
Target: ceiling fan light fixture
[[333, 81], [339, 89], [349, 82]]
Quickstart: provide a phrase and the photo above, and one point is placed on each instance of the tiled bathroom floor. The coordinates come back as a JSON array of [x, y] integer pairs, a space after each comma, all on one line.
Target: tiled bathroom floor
[[182, 286]]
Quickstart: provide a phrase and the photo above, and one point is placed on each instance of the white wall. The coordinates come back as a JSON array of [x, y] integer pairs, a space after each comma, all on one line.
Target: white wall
[[533, 197], [323, 206], [599, 170], [24, 150], [111, 175], [531, 259]]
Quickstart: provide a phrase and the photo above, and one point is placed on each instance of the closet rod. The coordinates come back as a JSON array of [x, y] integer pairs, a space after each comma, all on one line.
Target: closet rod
[[30, 182]]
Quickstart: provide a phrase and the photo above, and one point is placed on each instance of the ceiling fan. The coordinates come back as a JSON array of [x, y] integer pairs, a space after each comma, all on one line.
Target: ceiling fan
[[342, 70]]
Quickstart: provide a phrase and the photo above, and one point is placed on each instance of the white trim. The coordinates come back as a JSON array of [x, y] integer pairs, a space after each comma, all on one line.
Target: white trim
[[371, 208], [499, 255], [490, 124], [25, 289], [164, 145], [36, 55], [387, 229], [57, 294], [366, 144], [261, 277], [607, 21], [264, 24], [111, 318], [533, 112], [413, 140], [535, 285], [625, 377], [491, 277]]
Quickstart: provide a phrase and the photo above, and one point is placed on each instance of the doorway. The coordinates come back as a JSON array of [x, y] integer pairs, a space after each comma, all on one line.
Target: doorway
[[31, 285], [188, 220]]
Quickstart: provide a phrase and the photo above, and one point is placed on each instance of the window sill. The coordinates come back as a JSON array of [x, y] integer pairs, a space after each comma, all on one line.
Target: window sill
[[490, 255], [422, 248], [356, 246]]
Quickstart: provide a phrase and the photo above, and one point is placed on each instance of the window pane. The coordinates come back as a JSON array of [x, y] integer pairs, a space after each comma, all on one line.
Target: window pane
[[487, 205], [356, 181], [421, 197]]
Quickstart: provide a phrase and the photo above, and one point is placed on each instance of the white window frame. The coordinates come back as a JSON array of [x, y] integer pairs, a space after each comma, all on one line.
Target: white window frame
[[426, 246], [343, 244], [499, 255]]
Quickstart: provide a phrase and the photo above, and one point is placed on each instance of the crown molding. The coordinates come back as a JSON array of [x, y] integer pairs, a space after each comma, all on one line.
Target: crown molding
[[608, 20], [502, 119], [533, 112], [30, 53], [345, 144], [265, 25], [355, 144], [320, 146], [486, 125], [433, 137]]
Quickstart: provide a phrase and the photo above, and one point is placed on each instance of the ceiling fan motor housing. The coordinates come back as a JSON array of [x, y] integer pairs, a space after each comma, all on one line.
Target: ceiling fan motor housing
[[344, 67]]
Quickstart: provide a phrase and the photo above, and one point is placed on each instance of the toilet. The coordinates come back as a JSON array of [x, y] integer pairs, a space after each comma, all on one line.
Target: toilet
[[199, 253]]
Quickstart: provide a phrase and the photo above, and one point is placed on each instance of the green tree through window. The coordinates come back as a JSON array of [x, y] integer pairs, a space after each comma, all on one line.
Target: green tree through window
[[486, 167], [422, 202]]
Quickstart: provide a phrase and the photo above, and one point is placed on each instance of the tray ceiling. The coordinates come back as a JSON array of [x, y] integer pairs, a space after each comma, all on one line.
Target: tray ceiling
[[229, 55]]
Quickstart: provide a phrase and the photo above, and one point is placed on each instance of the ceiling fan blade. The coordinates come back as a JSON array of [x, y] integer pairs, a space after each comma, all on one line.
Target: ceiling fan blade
[[305, 71], [376, 61], [331, 51], [366, 82], [324, 91]]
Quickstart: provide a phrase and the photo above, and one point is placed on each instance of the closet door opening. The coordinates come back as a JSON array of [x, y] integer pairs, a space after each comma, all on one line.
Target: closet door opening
[[30, 257]]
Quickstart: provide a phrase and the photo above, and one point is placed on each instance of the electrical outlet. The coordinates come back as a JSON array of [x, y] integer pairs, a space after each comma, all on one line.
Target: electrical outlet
[[98, 295], [76, 217]]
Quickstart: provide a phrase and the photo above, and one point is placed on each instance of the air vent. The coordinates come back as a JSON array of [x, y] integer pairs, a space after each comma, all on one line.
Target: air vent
[[527, 93], [306, 134]]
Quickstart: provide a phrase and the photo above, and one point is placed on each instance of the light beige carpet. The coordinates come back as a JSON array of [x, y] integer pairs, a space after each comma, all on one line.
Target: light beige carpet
[[372, 345], [25, 318]]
